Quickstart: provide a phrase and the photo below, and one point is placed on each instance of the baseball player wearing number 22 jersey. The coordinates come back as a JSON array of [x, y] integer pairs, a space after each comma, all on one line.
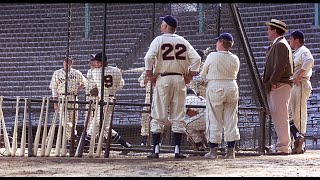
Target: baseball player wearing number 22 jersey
[[175, 63]]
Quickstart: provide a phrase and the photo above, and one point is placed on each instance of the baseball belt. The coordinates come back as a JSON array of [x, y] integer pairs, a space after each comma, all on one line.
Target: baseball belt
[[168, 74]]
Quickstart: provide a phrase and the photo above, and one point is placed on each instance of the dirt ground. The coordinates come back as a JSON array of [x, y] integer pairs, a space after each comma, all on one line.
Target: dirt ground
[[135, 164]]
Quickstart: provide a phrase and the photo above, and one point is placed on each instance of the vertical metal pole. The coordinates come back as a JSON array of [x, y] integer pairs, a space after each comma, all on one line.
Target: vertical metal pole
[[87, 21], [68, 48], [316, 15], [151, 87], [104, 63], [218, 19], [200, 17]]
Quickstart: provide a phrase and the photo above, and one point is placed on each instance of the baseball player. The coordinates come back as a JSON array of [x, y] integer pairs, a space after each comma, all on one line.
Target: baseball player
[[145, 117], [175, 63], [301, 90], [197, 83], [221, 69], [195, 120], [76, 82], [113, 82]]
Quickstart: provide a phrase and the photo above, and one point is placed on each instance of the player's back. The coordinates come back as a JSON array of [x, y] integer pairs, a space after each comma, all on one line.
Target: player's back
[[172, 54], [113, 79]]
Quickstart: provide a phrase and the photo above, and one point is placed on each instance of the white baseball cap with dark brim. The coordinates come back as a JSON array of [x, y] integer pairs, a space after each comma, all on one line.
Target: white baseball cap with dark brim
[[278, 23]]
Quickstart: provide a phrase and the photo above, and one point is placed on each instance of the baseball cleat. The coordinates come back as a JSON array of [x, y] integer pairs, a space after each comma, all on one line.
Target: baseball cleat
[[179, 156], [153, 156]]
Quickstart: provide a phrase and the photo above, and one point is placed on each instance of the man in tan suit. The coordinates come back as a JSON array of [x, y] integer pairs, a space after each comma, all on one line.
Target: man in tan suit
[[278, 81]]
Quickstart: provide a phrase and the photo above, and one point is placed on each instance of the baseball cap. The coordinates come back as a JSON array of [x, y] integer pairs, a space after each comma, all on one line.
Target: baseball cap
[[297, 35], [98, 57], [170, 20], [225, 36]]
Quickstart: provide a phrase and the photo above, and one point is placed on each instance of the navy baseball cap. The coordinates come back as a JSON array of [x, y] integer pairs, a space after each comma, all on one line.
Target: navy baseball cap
[[297, 35], [225, 36], [98, 57], [170, 20]]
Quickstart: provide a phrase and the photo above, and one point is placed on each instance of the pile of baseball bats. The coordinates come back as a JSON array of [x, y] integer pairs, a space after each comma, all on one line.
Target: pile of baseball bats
[[46, 147]]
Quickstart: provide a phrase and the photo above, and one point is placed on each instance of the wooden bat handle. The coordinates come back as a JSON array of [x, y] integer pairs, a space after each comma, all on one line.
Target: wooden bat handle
[[15, 129], [45, 129], [5, 134], [37, 137]]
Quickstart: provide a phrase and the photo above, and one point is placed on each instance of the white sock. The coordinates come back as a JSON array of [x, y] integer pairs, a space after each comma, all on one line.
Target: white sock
[[176, 149], [157, 149]]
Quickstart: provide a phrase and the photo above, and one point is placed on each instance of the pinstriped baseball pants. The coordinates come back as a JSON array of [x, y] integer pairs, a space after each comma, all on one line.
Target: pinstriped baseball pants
[[300, 93]]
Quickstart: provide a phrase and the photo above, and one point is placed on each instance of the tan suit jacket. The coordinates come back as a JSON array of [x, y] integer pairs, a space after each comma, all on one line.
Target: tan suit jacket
[[278, 65]]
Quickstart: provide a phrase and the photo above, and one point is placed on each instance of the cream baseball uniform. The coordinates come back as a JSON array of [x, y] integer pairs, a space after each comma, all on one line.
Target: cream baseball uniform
[[113, 83], [57, 86], [196, 125], [220, 70], [170, 53], [303, 59], [145, 117]]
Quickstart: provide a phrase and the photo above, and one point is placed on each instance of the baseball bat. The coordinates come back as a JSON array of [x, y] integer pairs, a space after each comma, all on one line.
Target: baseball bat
[[64, 134], [5, 134], [101, 134], [139, 69], [73, 128], [80, 146], [107, 145], [93, 136], [24, 126], [58, 140], [37, 137], [45, 129], [51, 133], [15, 129]]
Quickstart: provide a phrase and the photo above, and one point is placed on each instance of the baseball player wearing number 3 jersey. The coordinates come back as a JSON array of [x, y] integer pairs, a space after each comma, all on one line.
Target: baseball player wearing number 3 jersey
[[175, 63]]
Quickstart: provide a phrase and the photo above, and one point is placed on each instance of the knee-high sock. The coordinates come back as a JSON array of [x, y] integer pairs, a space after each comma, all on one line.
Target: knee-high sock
[[118, 139], [177, 142], [156, 142], [231, 144]]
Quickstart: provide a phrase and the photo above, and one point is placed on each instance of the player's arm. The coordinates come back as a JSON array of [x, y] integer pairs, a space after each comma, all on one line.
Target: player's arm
[[82, 81], [149, 59], [194, 61], [54, 86]]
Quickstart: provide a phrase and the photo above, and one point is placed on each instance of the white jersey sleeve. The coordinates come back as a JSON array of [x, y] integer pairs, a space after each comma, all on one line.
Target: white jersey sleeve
[[54, 83]]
